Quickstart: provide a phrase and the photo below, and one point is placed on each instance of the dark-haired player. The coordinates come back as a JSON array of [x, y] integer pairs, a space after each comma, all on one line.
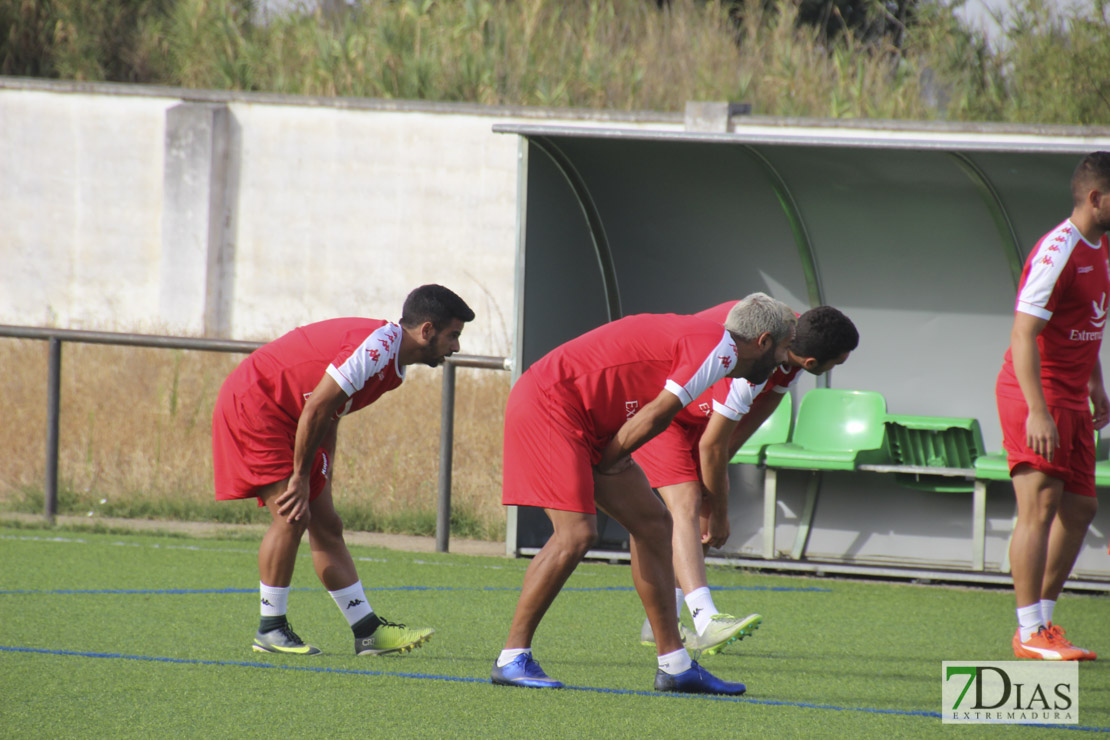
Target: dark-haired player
[[274, 436], [1050, 379], [688, 464]]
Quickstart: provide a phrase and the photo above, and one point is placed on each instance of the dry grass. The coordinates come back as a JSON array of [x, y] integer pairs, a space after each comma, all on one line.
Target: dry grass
[[135, 441]]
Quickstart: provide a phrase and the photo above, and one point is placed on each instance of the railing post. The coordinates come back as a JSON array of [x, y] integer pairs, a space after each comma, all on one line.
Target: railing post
[[53, 409], [446, 449]]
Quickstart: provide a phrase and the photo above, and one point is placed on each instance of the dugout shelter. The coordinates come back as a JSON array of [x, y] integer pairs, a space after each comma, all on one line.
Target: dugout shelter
[[917, 231]]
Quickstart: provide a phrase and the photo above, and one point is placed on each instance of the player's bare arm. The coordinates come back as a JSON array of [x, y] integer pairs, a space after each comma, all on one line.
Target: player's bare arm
[[1040, 430], [648, 422], [762, 408], [316, 426], [713, 449]]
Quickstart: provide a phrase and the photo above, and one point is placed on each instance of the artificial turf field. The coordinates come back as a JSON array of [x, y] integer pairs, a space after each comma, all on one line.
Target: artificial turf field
[[121, 635]]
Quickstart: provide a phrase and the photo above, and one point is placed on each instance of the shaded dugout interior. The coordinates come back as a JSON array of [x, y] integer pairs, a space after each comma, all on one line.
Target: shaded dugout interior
[[919, 235]]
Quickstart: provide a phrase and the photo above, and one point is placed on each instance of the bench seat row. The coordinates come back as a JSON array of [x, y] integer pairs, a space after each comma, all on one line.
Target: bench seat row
[[851, 430]]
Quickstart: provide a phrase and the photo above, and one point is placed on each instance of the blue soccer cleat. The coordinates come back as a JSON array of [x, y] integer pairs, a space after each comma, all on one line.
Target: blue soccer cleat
[[696, 680], [523, 671]]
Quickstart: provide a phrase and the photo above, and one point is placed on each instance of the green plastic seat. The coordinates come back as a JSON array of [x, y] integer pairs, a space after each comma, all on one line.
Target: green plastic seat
[[835, 430], [1102, 474], [1102, 467], [775, 429], [994, 466], [946, 443], [935, 441]]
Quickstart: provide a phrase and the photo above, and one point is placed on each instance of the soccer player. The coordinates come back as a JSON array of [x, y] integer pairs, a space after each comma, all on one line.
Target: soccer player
[[688, 465], [274, 437], [571, 423], [1050, 380]]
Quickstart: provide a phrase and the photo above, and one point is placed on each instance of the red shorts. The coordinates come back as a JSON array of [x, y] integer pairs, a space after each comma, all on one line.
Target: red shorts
[[1074, 460], [549, 453], [671, 457], [252, 446]]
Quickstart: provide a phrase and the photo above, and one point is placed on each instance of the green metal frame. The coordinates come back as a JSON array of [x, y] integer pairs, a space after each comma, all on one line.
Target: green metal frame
[[1001, 217], [593, 221]]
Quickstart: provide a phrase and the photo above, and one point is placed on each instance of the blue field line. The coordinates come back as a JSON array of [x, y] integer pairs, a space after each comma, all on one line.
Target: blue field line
[[190, 591], [465, 679]]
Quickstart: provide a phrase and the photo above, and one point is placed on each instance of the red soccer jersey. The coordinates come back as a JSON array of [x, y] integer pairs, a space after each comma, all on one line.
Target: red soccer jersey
[[361, 355], [617, 369], [1065, 281], [254, 423]]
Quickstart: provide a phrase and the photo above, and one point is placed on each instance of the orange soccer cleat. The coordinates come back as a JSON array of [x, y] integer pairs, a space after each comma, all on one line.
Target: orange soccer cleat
[[1043, 645], [1058, 634]]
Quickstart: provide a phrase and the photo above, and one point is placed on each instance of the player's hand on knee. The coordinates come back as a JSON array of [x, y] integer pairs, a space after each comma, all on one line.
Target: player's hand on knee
[[293, 504]]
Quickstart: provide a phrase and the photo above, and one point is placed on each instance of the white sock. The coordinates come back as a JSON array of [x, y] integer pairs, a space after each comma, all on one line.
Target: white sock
[[700, 603], [678, 601], [274, 600], [352, 602], [1047, 607], [1029, 620], [509, 655], [676, 662]]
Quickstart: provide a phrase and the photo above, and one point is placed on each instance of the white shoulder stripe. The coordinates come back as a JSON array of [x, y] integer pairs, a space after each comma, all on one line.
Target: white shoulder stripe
[[1045, 267], [715, 366], [369, 358]]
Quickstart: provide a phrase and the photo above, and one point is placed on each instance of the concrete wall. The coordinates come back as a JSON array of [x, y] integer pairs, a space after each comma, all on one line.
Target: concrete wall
[[237, 215]]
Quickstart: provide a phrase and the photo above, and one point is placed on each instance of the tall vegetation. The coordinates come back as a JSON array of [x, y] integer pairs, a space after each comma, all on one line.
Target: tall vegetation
[[822, 58]]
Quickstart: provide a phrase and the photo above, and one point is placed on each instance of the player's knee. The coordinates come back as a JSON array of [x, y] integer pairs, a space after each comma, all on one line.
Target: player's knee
[[1078, 511], [577, 538], [326, 528], [655, 526], [661, 526], [1039, 509], [687, 508], [291, 530], [1038, 518]]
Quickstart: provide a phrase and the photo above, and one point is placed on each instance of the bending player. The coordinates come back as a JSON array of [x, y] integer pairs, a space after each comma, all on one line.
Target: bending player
[[274, 437], [688, 465], [571, 423]]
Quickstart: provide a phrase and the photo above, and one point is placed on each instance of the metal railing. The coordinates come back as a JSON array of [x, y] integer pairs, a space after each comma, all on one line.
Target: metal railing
[[55, 338]]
